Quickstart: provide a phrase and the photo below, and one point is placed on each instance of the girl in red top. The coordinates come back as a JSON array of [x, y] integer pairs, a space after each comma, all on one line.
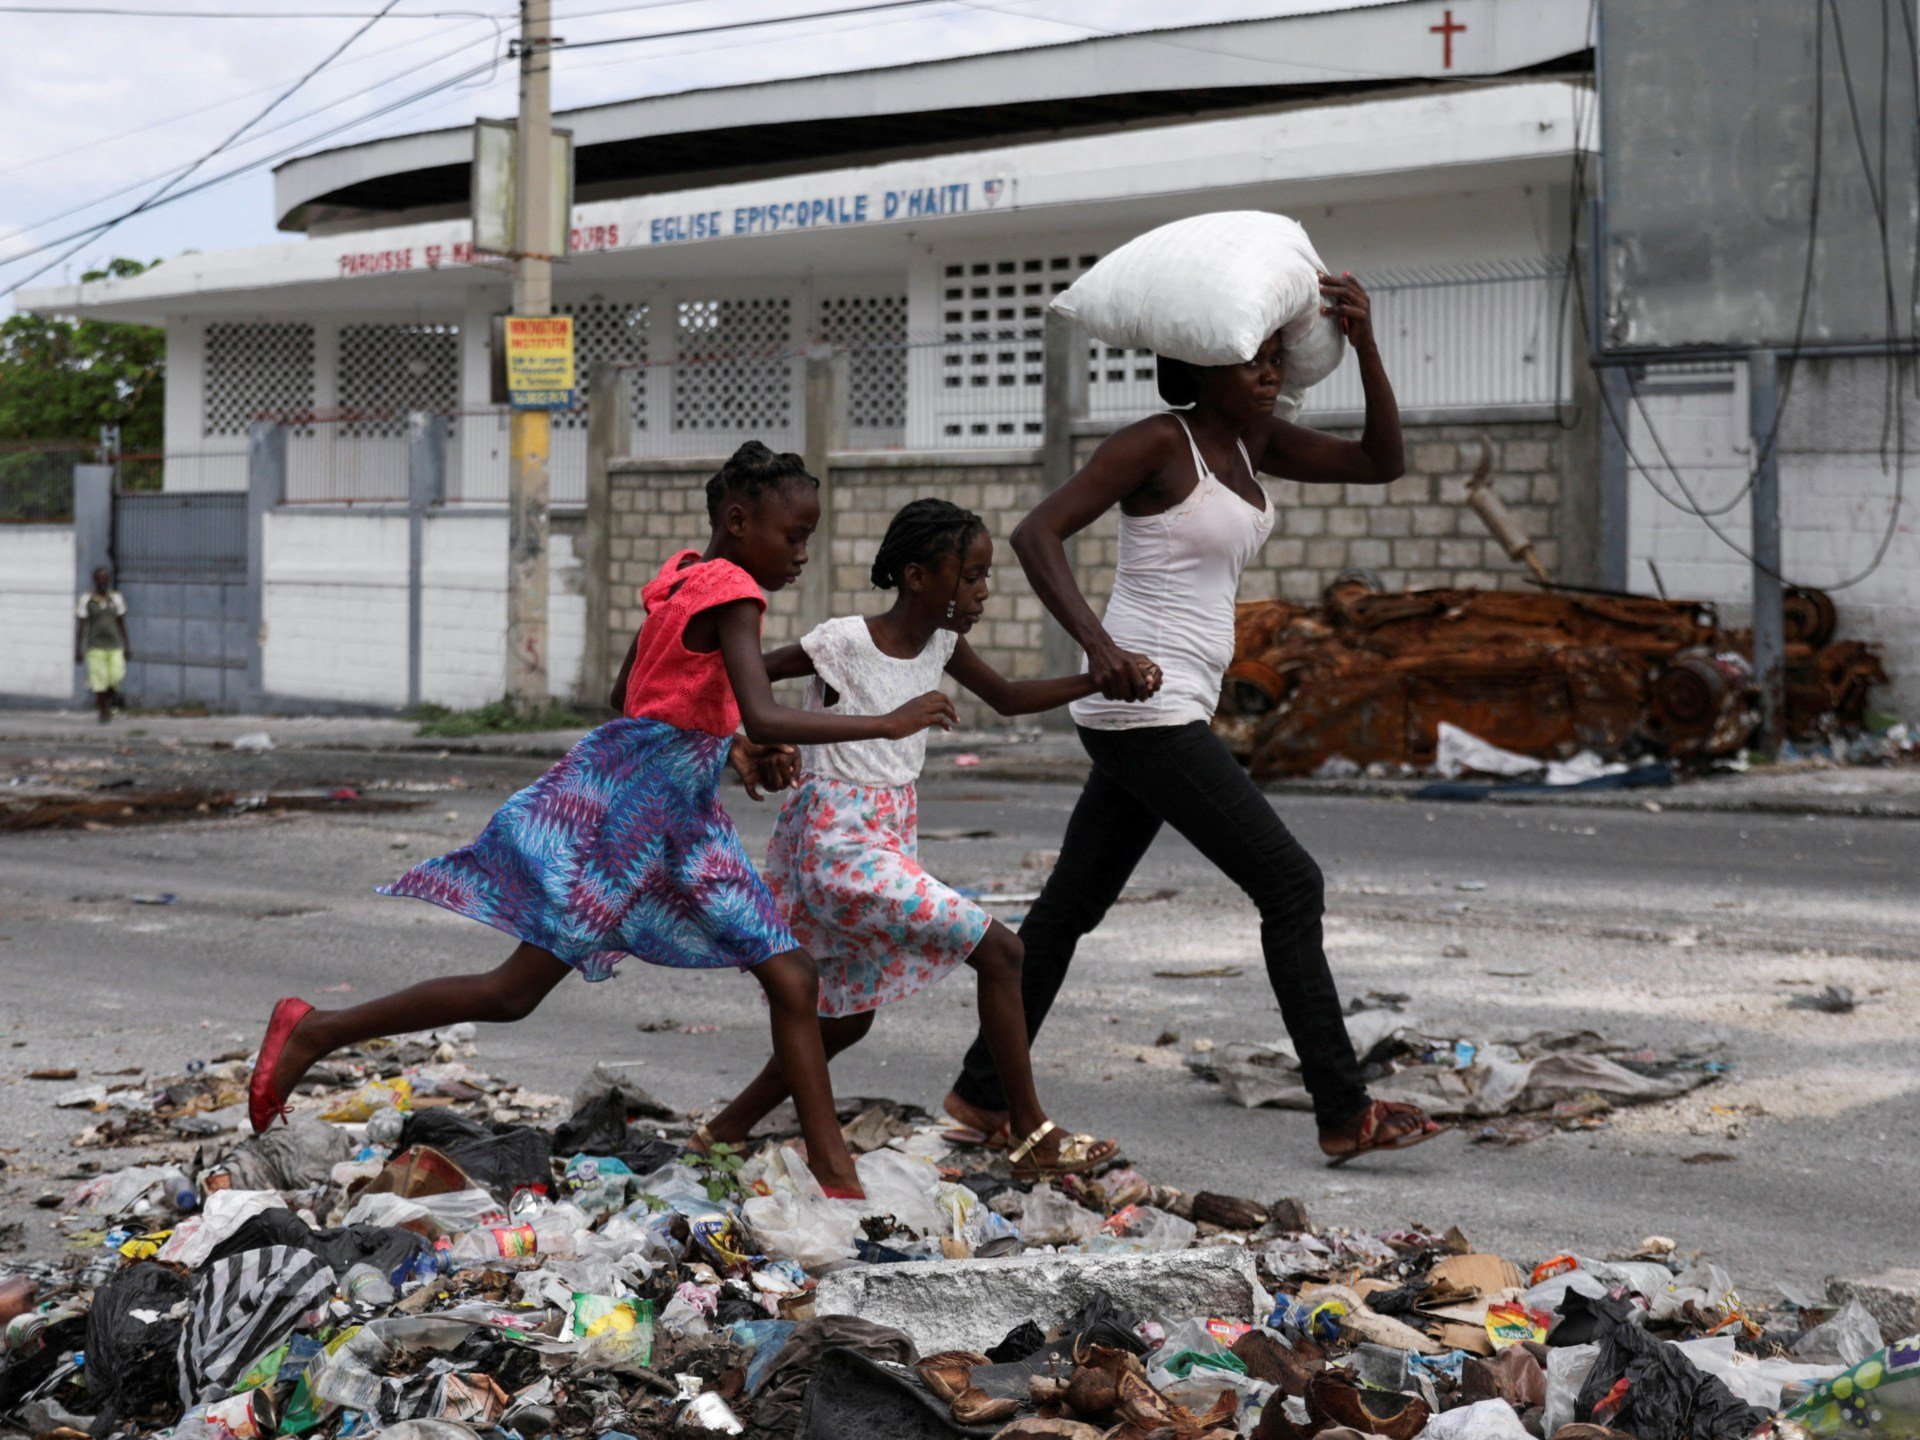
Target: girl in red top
[[623, 848]]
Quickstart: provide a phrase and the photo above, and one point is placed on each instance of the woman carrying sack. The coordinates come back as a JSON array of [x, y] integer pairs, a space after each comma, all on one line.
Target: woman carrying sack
[[1192, 516]]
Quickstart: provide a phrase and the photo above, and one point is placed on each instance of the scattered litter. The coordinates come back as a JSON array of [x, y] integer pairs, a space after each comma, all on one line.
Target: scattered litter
[[958, 834], [256, 742], [1573, 1076], [1833, 1000], [1203, 972], [345, 987], [966, 759], [166, 897], [696, 1029], [1471, 885], [430, 1253], [60, 1072]]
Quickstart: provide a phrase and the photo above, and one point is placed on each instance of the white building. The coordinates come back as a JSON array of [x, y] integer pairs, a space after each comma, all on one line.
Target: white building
[[920, 216], [913, 207]]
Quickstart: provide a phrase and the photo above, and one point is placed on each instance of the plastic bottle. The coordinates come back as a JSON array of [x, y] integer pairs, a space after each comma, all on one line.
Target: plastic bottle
[[496, 1242], [177, 1192], [365, 1285]]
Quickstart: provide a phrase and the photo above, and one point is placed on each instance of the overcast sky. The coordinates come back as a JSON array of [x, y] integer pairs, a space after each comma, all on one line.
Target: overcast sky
[[98, 111]]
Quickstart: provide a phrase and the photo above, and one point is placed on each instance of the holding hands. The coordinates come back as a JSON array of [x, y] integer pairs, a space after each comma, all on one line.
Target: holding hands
[[923, 713], [763, 767], [1122, 674]]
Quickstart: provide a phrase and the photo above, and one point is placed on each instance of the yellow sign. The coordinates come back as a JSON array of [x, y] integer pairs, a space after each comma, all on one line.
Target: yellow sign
[[539, 362]]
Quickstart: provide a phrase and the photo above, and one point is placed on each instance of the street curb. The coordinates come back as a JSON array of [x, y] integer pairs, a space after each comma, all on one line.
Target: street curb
[[1003, 761]]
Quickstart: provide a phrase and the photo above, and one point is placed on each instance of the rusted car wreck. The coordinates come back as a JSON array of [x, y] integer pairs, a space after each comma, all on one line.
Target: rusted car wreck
[[1369, 676]]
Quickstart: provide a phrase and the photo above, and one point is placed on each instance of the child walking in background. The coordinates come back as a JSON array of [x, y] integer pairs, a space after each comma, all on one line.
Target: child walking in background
[[623, 847], [844, 861], [100, 642]]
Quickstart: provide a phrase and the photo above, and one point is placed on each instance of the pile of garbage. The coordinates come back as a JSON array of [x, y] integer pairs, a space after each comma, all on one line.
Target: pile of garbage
[[428, 1253], [1367, 677]]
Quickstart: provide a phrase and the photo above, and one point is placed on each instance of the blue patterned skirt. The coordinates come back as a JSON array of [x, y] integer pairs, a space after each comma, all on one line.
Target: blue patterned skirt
[[620, 849]]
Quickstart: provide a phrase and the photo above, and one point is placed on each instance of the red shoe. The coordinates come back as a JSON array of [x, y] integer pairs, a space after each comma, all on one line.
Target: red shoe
[[264, 1104], [832, 1194]]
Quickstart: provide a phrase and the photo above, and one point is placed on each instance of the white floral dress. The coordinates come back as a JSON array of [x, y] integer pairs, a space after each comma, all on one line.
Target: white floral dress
[[844, 864]]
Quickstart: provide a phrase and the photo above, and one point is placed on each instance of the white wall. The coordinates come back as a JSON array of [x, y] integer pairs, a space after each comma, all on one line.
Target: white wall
[[464, 612], [335, 604], [1835, 497], [36, 611]]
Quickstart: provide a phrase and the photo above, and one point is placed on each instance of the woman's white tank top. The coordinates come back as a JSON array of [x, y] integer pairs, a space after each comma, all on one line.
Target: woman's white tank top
[[1173, 598]]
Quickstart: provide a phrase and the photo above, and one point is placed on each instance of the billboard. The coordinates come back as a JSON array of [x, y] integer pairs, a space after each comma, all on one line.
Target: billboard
[[1733, 136]]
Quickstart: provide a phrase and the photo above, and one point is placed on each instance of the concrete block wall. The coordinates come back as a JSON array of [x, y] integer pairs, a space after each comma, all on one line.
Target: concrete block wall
[[37, 595], [1416, 532], [1836, 496], [334, 596], [334, 606], [464, 610]]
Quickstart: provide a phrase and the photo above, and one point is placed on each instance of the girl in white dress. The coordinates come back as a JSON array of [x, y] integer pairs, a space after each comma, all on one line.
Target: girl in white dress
[[844, 863]]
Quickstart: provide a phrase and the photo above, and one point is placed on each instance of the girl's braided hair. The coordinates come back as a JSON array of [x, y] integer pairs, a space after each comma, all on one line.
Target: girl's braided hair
[[923, 533], [749, 472]]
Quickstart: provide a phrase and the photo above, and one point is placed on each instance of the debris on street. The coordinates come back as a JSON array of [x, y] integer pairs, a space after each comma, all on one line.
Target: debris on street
[[1368, 678], [430, 1253]]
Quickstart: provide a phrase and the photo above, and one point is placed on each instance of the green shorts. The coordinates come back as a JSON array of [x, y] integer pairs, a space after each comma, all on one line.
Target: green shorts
[[106, 669]]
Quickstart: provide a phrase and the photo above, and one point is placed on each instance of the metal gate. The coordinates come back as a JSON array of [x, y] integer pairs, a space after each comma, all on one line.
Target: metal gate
[[181, 561]]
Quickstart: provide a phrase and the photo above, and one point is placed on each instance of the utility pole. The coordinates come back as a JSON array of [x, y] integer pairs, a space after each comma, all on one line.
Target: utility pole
[[531, 432]]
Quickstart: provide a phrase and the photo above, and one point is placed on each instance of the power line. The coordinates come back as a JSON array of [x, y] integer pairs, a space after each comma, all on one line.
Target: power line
[[334, 104], [251, 165], [148, 127], [160, 195], [730, 25], [125, 10]]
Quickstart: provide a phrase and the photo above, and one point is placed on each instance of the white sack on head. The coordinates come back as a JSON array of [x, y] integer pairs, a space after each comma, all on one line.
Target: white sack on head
[[1209, 290]]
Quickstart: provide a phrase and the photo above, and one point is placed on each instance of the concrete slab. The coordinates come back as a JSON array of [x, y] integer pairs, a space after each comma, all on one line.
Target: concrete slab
[[972, 1304]]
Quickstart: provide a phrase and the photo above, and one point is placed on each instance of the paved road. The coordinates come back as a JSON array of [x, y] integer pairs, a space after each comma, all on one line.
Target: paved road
[[1677, 930]]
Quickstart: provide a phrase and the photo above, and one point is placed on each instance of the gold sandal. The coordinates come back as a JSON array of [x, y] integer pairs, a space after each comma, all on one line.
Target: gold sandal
[[701, 1142], [1078, 1155]]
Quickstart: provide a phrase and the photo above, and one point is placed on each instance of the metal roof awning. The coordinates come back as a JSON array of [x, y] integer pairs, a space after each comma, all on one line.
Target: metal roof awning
[[1307, 49], [866, 219]]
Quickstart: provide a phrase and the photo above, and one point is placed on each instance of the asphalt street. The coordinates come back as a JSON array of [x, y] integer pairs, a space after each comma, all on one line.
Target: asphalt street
[[1681, 931]]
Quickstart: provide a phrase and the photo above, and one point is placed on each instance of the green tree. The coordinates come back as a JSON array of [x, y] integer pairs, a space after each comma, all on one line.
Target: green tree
[[62, 379]]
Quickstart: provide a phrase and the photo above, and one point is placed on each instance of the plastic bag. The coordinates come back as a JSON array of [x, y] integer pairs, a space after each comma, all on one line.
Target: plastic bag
[[1049, 1218], [1488, 1420], [614, 1330], [1209, 290], [797, 1222], [1142, 1228], [1848, 1338], [1879, 1397], [905, 1188], [196, 1238], [428, 1215], [372, 1096]]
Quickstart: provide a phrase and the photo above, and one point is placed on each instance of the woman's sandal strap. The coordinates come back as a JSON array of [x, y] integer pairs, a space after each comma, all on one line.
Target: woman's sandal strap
[[1025, 1147]]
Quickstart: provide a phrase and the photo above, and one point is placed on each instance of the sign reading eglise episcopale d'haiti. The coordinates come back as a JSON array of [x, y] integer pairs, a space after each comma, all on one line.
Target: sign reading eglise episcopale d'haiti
[[746, 212]]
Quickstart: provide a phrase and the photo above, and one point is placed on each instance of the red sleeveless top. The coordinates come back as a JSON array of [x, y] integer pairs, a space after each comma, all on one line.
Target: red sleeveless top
[[670, 683]]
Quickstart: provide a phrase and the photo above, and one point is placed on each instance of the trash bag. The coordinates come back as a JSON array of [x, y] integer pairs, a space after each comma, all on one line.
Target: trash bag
[[777, 1405], [289, 1157], [1667, 1397], [243, 1305], [385, 1247], [600, 1127], [132, 1331], [854, 1398], [504, 1158]]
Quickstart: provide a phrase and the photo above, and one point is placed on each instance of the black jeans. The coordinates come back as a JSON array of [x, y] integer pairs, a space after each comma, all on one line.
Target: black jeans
[[1183, 776]]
